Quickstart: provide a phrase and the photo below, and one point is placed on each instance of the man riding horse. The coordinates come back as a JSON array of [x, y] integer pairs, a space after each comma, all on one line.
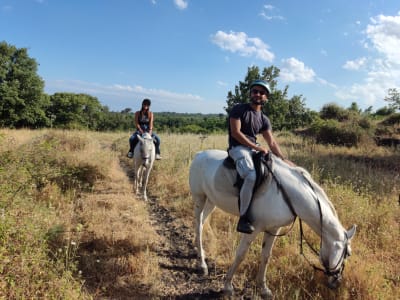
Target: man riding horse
[[246, 121]]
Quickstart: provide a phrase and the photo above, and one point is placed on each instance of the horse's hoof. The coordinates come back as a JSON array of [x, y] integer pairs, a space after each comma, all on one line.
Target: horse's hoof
[[229, 292], [204, 271], [266, 293]]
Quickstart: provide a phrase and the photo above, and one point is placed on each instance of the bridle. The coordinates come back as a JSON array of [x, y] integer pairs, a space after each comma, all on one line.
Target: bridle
[[145, 156], [336, 271]]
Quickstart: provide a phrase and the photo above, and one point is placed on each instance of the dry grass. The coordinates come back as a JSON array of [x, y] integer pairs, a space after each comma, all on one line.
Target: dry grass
[[362, 183], [71, 227], [69, 217]]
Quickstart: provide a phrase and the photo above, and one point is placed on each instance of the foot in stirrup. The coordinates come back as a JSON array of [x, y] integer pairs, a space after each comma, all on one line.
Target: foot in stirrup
[[244, 225], [158, 156], [130, 154]]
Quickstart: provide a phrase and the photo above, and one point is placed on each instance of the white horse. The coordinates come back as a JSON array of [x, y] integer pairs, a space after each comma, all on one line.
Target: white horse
[[288, 192], [143, 157]]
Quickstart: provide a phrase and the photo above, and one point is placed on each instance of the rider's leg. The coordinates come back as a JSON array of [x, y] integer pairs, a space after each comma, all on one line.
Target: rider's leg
[[245, 167], [133, 140], [157, 142]]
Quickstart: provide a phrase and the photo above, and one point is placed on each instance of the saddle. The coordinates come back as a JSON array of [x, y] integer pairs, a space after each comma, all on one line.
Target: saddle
[[260, 162]]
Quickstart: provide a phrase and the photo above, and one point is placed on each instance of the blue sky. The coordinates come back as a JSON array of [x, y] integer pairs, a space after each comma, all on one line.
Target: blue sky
[[185, 55]]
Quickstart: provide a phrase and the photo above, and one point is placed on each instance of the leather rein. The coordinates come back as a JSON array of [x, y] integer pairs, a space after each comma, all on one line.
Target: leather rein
[[327, 271]]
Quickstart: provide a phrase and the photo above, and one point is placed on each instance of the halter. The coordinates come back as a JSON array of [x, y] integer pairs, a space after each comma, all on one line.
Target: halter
[[145, 157], [335, 272]]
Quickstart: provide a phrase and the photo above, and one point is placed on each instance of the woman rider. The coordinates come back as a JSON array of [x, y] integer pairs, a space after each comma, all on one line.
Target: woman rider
[[144, 123]]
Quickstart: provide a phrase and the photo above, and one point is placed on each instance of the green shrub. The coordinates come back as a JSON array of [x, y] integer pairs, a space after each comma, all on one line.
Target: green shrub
[[335, 133]]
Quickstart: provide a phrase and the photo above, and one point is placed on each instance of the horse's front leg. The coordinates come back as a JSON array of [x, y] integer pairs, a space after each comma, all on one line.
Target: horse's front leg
[[145, 180], [245, 242], [138, 179], [266, 251]]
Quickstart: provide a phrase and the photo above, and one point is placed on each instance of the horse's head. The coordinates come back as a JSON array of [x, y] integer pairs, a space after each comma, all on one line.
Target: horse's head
[[333, 256], [146, 147]]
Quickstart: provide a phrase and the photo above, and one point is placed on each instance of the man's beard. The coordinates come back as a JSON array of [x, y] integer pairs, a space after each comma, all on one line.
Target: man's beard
[[257, 101]]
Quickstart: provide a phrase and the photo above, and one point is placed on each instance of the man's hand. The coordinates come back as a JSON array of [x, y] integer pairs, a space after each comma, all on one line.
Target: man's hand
[[289, 162]]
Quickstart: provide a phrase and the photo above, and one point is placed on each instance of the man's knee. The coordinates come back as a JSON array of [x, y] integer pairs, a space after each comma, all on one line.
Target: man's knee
[[245, 168]]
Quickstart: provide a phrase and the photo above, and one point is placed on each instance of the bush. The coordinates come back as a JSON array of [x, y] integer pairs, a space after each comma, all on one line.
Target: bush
[[334, 112], [393, 119], [335, 133]]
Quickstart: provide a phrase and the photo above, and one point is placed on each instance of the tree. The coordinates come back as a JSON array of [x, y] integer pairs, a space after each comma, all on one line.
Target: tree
[[76, 111], [354, 108], [393, 98], [22, 100], [283, 113]]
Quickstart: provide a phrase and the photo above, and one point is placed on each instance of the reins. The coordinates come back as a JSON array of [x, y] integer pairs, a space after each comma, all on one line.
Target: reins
[[302, 236]]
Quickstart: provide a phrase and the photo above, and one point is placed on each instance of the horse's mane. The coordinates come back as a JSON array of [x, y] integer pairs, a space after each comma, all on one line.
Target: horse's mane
[[146, 135], [307, 176], [315, 186]]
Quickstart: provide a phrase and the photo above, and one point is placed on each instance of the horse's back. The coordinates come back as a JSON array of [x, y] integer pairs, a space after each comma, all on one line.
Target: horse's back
[[204, 166], [210, 178]]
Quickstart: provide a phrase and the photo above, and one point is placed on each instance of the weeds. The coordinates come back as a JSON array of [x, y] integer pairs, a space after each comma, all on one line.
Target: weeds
[[70, 228]]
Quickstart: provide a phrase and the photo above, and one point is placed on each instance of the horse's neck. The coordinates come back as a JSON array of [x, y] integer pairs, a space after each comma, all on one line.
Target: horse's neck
[[330, 228], [309, 202]]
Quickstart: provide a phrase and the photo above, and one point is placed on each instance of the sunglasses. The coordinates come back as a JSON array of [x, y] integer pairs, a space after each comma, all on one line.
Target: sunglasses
[[255, 92]]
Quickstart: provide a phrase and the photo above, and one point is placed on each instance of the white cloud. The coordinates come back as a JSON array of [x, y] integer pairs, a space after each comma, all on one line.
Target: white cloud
[[269, 7], [181, 4], [265, 13], [222, 83], [326, 83], [293, 70], [383, 71], [384, 33], [126, 93], [355, 64], [239, 42]]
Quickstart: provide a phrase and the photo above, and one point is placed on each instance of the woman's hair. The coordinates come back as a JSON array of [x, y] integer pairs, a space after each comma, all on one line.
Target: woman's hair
[[146, 102]]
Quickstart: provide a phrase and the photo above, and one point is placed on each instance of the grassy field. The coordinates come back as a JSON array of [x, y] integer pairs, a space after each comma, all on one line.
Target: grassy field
[[68, 218]]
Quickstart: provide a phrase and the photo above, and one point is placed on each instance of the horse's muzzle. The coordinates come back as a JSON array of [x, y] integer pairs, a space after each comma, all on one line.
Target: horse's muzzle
[[334, 281]]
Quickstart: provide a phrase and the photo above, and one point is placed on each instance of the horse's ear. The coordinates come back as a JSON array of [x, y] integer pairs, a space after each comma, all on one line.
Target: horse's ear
[[139, 137], [351, 232]]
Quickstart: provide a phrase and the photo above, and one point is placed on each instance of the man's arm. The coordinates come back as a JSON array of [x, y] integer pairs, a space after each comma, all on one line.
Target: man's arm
[[272, 143], [235, 125]]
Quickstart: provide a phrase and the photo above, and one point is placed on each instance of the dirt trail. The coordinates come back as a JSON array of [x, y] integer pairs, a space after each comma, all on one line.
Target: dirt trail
[[180, 277], [175, 251], [177, 257]]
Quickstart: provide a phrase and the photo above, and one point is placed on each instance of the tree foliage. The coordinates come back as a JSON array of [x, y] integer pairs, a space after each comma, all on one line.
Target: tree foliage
[[283, 112], [75, 111], [23, 103], [22, 100], [393, 98]]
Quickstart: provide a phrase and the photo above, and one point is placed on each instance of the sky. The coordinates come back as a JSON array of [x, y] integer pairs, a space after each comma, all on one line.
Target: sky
[[186, 55]]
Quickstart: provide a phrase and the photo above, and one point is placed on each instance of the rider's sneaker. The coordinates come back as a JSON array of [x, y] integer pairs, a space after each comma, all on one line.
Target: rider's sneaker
[[158, 156], [130, 154], [244, 225]]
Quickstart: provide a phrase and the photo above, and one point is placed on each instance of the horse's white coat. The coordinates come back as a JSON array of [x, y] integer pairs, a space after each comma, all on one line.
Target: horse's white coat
[[211, 186], [143, 158]]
